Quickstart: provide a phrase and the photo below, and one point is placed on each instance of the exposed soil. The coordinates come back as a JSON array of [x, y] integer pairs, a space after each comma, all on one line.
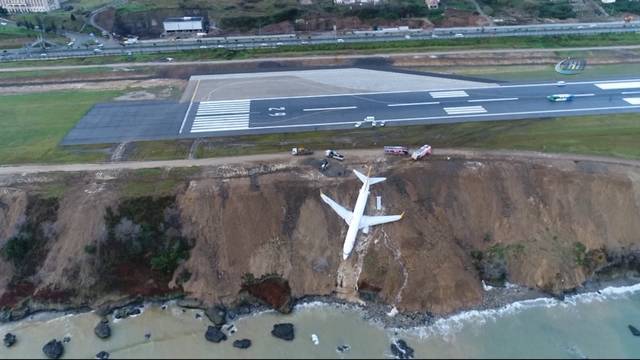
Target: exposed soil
[[547, 224]]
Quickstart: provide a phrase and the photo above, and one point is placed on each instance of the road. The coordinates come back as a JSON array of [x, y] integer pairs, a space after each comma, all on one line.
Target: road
[[321, 57], [500, 102], [273, 41], [352, 157]]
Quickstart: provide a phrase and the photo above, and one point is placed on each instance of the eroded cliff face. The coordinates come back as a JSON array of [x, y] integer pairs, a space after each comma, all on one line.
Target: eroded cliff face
[[544, 224]]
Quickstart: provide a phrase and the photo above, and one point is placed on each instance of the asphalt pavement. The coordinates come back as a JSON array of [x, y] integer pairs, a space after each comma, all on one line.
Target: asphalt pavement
[[506, 102], [147, 120]]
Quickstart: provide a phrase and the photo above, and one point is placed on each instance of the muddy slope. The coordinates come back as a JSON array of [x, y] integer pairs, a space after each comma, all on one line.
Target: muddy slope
[[545, 224]]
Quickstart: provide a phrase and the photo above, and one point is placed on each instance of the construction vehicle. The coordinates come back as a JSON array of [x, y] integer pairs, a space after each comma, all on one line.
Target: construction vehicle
[[300, 151], [396, 150], [332, 154], [424, 150]]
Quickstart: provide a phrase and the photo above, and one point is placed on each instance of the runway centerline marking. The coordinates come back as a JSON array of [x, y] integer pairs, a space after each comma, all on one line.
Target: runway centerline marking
[[583, 95], [630, 92], [449, 117], [488, 100], [332, 108], [416, 104], [618, 85]]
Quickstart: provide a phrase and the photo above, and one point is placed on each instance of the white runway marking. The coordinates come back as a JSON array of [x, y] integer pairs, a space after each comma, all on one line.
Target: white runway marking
[[465, 110], [619, 85], [448, 94], [583, 95], [332, 108], [632, 101], [630, 92], [222, 116], [416, 104], [184, 121], [488, 100]]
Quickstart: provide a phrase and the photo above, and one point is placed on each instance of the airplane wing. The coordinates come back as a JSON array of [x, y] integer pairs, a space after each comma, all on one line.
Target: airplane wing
[[344, 213], [367, 221]]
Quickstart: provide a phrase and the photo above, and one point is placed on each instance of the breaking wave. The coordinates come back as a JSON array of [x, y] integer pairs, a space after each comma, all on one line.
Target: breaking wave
[[447, 327]]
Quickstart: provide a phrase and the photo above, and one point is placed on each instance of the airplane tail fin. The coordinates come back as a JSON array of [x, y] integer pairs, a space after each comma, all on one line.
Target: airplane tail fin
[[364, 178]]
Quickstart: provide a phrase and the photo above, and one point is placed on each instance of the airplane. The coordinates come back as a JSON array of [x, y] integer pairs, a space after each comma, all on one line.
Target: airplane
[[356, 219]]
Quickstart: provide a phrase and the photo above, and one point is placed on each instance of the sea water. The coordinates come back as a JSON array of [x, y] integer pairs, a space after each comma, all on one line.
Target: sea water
[[587, 325]]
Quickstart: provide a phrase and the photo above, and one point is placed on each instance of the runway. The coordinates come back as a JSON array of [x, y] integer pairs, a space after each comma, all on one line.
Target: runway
[[507, 102], [155, 120]]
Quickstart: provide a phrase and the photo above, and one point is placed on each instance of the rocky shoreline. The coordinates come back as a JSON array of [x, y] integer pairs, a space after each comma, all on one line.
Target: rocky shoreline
[[375, 312]]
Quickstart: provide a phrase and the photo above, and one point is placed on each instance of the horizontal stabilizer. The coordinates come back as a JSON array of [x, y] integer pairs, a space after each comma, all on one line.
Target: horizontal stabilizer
[[364, 178]]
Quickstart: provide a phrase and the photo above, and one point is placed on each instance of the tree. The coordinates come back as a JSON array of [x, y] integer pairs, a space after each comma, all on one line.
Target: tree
[[3, 11], [72, 17]]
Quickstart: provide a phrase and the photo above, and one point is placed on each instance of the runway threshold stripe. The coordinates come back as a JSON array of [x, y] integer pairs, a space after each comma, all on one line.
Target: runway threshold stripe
[[619, 85], [332, 108], [491, 100], [465, 110], [448, 94], [416, 104], [632, 101]]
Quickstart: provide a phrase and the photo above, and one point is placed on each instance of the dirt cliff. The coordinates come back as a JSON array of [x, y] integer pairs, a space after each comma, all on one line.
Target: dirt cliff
[[208, 233]]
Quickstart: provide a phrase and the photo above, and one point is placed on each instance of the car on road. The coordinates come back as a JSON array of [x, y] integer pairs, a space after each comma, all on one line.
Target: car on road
[[264, 44], [203, 46], [279, 44], [220, 46], [561, 83], [407, 36], [97, 51], [458, 35], [340, 40], [43, 55], [303, 42], [560, 97]]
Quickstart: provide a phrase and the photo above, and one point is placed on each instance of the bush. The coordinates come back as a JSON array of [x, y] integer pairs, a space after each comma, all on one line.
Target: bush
[[17, 248], [556, 9], [90, 249]]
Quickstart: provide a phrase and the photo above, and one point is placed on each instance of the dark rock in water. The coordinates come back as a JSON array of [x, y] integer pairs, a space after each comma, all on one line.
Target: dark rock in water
[[9, 340], [343, 348], [214, 334], [53, 349], [66, 339], [163, 307], [102, 355], [103, 330], [243, 310], [242, 344], [401, 350], [147, 336], [231, 315], [634, 330], [127, 312], [217, 314], [198, 316], [283, 331]]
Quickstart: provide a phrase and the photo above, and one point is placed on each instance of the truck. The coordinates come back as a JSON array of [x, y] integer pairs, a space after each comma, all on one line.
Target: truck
[[332, 154], [424, 150], [300, 151], [396, 150]]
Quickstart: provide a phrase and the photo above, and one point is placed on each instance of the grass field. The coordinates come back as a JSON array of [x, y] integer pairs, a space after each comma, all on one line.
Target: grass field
[[607, 135], [33, 125]]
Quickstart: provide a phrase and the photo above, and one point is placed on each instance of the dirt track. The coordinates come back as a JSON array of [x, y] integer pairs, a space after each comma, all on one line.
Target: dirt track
[[278, 157]]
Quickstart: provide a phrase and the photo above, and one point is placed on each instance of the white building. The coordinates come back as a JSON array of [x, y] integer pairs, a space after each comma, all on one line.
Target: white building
[[183, 24], [432, 4], [24, 6]]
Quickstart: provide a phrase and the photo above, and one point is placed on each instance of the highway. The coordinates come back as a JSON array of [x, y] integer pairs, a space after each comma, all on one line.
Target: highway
[[274, 41], [507, 102]]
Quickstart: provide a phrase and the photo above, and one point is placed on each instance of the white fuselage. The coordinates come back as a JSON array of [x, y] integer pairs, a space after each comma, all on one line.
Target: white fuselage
[[354, 225]]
